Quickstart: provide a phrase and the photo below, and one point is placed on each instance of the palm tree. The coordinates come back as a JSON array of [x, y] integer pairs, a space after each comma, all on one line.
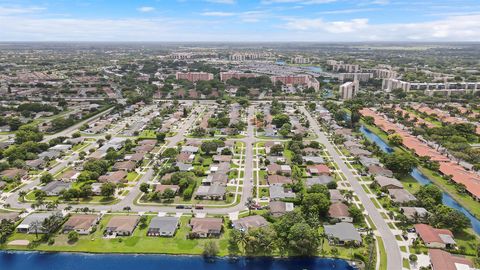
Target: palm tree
[[322, 240], [22, 195], [35, 226], [249, 204], [349, 195]]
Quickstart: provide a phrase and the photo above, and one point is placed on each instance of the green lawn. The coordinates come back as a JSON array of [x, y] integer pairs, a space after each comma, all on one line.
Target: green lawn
[[383, 254], [138, 243], [147, 134], [131, 176]]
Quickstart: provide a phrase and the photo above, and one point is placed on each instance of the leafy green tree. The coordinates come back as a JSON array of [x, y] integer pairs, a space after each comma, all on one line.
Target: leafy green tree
[[260, 241], [401, 163], [303, 240], [447, 217], [46, 178], [315, 207], [395, 139], [72, 236], [429, 196], [210, 249], [107, 190]]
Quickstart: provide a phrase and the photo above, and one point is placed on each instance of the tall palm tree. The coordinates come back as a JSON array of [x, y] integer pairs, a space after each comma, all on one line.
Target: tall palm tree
[[36, 226], [249, 204], [22, 195]]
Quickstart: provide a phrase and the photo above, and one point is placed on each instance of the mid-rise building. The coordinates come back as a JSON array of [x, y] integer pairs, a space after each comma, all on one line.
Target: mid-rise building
[[349, 89], [194, 76], [225, 76], [305, 80]]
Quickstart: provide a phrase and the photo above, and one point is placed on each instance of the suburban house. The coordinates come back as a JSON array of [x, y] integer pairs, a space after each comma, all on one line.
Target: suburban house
[[54, 188], [379, 170], [435, 238], [442, 260], [82, 224], [279, 208], [401, 196], [162, 188], [124, 166], [12, 216], [278, 179], [413, 213], [388, 182], [206, 227], [342, 233], [114, 177], [33, 222], [13, 174], [318, 169], [339, 211], [122, 225], [320, 180], [278, 192], [163, 226], [243, 224], [313, 159], [216, 191]]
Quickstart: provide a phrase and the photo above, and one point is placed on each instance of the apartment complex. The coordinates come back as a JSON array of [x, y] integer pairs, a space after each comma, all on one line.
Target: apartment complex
[[431, 88], [340, 66], [305, 80], [194, 76], [225, 76]]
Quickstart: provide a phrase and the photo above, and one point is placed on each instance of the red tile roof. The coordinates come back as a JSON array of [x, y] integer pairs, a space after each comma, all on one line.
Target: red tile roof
[[430, 234], [442, 260]]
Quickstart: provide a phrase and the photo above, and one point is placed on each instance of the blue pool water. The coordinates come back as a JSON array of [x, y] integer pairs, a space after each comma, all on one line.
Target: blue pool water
[[422, 179], [81, 261]]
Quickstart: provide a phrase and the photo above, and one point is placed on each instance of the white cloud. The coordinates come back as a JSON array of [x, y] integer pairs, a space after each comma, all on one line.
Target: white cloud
[[229, 2], [218, 14], [6, 11], [332, 27], [303, 2], [347, 11], [453, 28], [146, 9]]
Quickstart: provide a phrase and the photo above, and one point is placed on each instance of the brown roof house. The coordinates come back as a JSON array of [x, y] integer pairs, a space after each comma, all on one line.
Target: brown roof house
[[82, 224], [206, 227], [12, 174], [114, 177], [122, 225], [339, 211], [243, 224], [279, 208], [124, 166], [435, 238], [388, 182], [379, 170]]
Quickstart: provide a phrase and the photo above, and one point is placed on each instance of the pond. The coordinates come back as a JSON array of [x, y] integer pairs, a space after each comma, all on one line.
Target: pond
[[82, 261]]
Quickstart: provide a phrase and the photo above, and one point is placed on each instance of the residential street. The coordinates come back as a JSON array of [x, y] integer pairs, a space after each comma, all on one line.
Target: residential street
[[394, 258]]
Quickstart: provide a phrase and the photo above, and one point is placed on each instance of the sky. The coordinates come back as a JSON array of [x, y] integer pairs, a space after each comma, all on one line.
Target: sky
[[240, 20]]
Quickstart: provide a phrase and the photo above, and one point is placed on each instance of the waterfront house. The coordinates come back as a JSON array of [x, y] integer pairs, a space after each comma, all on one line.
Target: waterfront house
[[342, 233], [163, 226], [122, 225], [206, 227], [82, 224], [245, 223]]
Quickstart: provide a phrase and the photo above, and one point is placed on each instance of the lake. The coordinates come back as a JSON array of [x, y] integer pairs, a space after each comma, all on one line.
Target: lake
[[422, 179], [82, 261]]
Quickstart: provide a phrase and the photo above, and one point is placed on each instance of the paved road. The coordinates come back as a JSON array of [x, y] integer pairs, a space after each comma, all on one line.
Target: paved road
[[394, 257], [70, 130]]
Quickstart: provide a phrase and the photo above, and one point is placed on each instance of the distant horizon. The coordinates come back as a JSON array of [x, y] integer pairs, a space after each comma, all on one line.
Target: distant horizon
[[240, 21]]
